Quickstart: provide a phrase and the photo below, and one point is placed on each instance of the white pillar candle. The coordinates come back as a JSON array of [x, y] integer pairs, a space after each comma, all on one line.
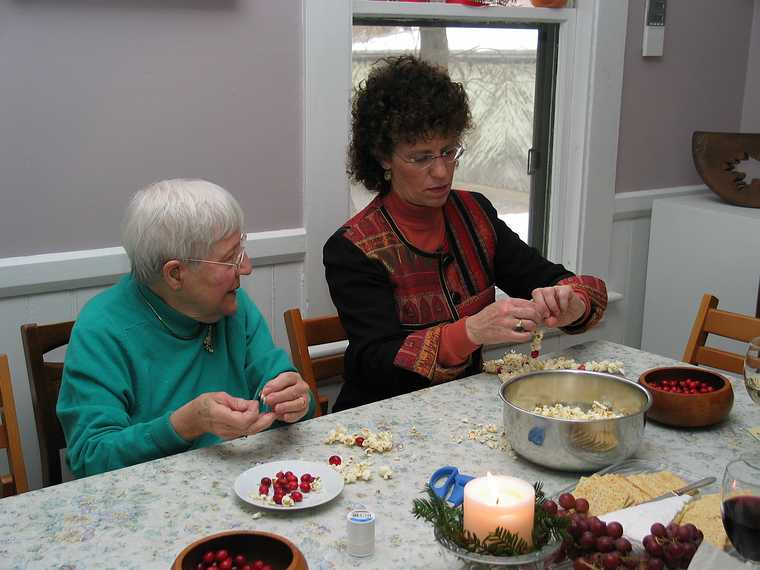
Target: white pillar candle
[[499, 501]]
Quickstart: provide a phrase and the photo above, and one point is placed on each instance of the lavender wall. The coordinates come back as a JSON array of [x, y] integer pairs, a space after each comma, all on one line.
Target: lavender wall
[[697, 85], [751, 114], [100, 98]]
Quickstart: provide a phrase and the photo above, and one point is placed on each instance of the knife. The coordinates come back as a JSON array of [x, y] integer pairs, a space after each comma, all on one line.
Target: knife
[[684, 490]]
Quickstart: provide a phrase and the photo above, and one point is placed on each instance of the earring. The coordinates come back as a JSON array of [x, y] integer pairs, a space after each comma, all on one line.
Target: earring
[[387, 175]]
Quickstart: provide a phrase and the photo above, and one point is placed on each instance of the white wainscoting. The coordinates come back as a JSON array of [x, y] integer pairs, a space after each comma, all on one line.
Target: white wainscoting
[[54, 287], [630, 248]]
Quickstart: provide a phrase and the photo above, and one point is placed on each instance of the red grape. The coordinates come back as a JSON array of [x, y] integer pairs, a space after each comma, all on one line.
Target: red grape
[[605, 544], [623, 545], [587, 540], [567, 501], [615, 530], [550, 507], [597, 527], [658, 529], [612, 560], [581, 505]]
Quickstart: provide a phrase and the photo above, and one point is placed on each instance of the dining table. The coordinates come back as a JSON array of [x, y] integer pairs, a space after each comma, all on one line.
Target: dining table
[[144, 515]]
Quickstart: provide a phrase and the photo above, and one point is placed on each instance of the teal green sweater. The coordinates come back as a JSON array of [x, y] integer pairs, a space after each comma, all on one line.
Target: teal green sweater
[[125, 374]]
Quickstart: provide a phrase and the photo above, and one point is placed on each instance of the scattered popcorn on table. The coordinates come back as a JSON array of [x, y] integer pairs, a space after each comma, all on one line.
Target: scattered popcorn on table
[[379, 442], [354, 471], [513, 363], [385, 472]]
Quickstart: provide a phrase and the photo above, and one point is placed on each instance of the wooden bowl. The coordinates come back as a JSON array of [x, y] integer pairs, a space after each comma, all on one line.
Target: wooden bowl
[[688, 410], [272, 549]]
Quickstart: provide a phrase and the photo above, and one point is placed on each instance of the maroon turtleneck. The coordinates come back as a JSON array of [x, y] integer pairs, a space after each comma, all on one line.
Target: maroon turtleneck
[[424, 228]]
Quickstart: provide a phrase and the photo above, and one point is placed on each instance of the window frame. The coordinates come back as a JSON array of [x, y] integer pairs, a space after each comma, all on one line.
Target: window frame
[[586, 123]]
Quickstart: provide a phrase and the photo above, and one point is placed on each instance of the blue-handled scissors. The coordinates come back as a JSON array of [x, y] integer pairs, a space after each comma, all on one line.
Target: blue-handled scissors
[[448, 483]]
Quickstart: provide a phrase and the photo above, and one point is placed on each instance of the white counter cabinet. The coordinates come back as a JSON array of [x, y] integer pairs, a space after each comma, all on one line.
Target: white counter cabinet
[[698, 244]]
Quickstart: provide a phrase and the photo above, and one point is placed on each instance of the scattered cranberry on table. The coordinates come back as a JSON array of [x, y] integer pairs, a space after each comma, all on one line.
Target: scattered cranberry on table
[[359, 441], [335, 460]]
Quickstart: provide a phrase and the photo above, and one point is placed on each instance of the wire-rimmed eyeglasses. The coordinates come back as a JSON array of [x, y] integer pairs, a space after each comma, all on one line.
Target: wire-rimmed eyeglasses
[[424, 161], [239, 259]]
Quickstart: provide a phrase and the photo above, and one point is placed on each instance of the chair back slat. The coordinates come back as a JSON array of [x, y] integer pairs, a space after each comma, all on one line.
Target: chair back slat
[[711, 320], [10, 436], [303, 333], [321, 330], [45, 383], [732, 325], [717, 358], [328, 366]]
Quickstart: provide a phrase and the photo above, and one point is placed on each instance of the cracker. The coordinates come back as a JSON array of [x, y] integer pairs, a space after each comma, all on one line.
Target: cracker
[[604, 493], [704, 513], [655, 484]]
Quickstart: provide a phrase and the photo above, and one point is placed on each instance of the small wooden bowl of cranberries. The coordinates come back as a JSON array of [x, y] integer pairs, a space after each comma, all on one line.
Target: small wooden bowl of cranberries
[[686, 396], [241, 550]]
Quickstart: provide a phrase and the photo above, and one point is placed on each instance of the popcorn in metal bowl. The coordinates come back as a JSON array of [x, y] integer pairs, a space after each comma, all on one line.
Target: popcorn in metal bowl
[[587, 442]]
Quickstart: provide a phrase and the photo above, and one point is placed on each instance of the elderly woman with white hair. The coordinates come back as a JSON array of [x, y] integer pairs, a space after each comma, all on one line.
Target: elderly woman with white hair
[[174, 356]]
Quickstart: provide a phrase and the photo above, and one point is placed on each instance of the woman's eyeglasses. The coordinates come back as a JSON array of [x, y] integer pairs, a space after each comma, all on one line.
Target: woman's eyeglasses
[[425, 161], [239, 259]]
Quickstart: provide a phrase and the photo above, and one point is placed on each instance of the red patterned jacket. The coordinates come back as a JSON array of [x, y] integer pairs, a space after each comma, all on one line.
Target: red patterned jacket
[[393, 298]]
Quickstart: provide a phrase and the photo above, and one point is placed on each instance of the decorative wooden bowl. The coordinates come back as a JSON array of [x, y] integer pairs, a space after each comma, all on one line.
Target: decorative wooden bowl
[[718, 158], [688, 410], [272, 549]]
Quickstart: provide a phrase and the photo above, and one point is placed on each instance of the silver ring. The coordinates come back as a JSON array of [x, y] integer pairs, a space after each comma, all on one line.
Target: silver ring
[[519, 326]]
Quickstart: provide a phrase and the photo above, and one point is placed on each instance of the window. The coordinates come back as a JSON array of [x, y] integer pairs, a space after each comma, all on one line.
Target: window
[[509, 72]]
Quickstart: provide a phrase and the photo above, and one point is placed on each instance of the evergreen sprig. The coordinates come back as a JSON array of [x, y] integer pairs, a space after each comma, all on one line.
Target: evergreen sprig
[[448, 522]]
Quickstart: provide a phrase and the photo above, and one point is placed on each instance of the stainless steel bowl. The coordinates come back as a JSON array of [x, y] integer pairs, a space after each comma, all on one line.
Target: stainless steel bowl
[[573, 445]]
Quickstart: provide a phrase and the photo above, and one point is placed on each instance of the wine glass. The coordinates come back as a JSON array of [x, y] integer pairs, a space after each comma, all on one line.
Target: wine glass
[[740, 508], [752, 369]]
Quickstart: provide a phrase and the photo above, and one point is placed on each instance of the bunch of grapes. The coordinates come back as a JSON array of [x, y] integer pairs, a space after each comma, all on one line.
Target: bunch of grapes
[[671, 546], [593, 544]]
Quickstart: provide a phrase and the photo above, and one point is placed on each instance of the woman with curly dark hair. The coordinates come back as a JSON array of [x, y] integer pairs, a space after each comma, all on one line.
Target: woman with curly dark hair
[[413, 275]]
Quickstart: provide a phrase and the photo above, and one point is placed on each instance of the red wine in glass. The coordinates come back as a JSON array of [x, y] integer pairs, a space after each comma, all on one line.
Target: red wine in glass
[[741, 519]]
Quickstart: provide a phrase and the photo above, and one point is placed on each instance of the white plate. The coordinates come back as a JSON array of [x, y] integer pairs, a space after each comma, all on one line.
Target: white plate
[[247, 483]]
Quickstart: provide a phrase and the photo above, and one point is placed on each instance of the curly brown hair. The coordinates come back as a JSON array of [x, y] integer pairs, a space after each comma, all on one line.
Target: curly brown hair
[[404, 99]]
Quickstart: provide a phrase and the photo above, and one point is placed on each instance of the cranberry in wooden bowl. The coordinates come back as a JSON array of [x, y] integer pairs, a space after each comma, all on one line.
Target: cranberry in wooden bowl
[[241, 549], [685, 396]]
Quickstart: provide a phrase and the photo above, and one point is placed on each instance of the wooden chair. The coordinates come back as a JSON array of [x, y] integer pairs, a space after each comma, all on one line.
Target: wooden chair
[[10, 439], [303, 333], [45, 382], [711, 320]]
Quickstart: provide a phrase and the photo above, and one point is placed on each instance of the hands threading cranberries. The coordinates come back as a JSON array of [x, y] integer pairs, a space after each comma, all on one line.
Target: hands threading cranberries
[[223, 560], [595, 545]]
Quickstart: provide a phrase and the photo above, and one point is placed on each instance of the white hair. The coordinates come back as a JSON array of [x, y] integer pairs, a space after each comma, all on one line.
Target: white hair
[[176, 219]]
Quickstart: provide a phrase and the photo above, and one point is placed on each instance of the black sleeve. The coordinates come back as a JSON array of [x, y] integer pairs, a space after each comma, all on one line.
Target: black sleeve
[[519, 268], [363, 294]]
